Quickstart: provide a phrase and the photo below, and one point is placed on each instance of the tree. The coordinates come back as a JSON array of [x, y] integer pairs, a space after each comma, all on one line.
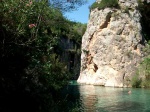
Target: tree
[[30, 68], [66, 5]]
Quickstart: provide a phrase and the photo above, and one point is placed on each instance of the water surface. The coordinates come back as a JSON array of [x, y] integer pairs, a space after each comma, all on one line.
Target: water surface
[[89, 98]]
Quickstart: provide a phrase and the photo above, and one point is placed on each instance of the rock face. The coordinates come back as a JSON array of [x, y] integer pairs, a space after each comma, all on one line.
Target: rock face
[[70, 56], [112, 45]]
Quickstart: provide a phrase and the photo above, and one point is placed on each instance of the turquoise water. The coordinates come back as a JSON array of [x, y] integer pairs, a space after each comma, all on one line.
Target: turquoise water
[[88, 98]]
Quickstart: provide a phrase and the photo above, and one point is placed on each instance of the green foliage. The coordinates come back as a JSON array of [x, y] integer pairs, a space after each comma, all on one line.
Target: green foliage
[[30, 30], [55, 74], [144, 69], [73, 30], [142, 78], [136, 81], [66, 5], [104, 3], [140, 4], [126, 10]]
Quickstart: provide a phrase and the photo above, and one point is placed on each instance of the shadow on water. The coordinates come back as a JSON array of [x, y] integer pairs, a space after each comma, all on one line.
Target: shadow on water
[[18, 102], [69, 99], [88, 98], [79, 98]]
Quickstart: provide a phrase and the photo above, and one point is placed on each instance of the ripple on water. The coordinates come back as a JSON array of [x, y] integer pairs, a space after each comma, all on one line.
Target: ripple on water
[[101, 99], [125, 106]]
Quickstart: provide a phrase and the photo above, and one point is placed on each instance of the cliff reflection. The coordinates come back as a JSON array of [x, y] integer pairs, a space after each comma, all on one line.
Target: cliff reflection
[[89, 98]]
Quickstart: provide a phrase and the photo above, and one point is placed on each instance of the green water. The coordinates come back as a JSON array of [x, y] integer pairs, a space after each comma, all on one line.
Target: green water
[[88, 98]]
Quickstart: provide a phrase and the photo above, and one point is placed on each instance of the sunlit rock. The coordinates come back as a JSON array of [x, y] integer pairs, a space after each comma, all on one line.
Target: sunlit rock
[[112, 45]]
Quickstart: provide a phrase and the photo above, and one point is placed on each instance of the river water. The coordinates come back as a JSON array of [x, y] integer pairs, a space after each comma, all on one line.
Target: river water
[[89, 98]]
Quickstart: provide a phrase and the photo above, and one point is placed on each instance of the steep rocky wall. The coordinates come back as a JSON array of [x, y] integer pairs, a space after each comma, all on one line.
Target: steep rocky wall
[[68, 50], [112, 45]]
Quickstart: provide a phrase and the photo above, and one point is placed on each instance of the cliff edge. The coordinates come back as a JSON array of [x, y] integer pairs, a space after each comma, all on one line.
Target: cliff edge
[[112, 46]]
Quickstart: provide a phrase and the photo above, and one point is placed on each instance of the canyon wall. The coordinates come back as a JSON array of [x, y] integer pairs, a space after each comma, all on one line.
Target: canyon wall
[[70, 55], [112, 46]]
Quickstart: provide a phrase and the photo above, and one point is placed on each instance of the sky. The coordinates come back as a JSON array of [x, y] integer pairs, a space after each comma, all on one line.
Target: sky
[[81, 14]]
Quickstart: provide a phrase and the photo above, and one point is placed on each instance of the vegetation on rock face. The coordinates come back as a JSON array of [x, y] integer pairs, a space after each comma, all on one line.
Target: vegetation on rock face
[[145, 69], [104, 3], [31, 70], [142, 78]]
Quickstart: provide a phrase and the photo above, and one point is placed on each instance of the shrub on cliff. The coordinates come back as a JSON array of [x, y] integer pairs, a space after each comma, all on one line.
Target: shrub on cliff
[[143, 74], [145, 70], [136, 81], [142, 77], [104, 3]]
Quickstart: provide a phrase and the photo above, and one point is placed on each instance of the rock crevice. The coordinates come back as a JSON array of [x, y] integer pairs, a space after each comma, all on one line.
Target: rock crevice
[[112, 46]]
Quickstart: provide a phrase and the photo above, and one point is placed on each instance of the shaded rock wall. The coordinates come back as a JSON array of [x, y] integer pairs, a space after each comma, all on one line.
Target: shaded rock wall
[[112, 45], [70, 55]]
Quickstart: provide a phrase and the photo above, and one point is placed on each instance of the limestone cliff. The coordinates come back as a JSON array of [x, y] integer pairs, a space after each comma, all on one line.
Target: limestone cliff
[[112, 45]]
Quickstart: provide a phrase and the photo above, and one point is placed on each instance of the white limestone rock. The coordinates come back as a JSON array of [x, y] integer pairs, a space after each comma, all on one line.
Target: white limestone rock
[[111, 46]]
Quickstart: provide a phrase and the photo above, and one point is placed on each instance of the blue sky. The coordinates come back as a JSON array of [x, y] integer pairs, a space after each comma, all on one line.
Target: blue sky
[[82, 14]]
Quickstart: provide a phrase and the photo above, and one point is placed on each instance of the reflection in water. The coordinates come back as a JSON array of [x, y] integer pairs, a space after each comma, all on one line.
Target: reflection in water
[[88, 98], [123, 107]]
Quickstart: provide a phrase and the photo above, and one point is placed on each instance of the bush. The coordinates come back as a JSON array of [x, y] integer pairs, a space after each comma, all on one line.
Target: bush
[[136, 81], [29, 65], [142, 78], [145, 70], [104, 3]]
